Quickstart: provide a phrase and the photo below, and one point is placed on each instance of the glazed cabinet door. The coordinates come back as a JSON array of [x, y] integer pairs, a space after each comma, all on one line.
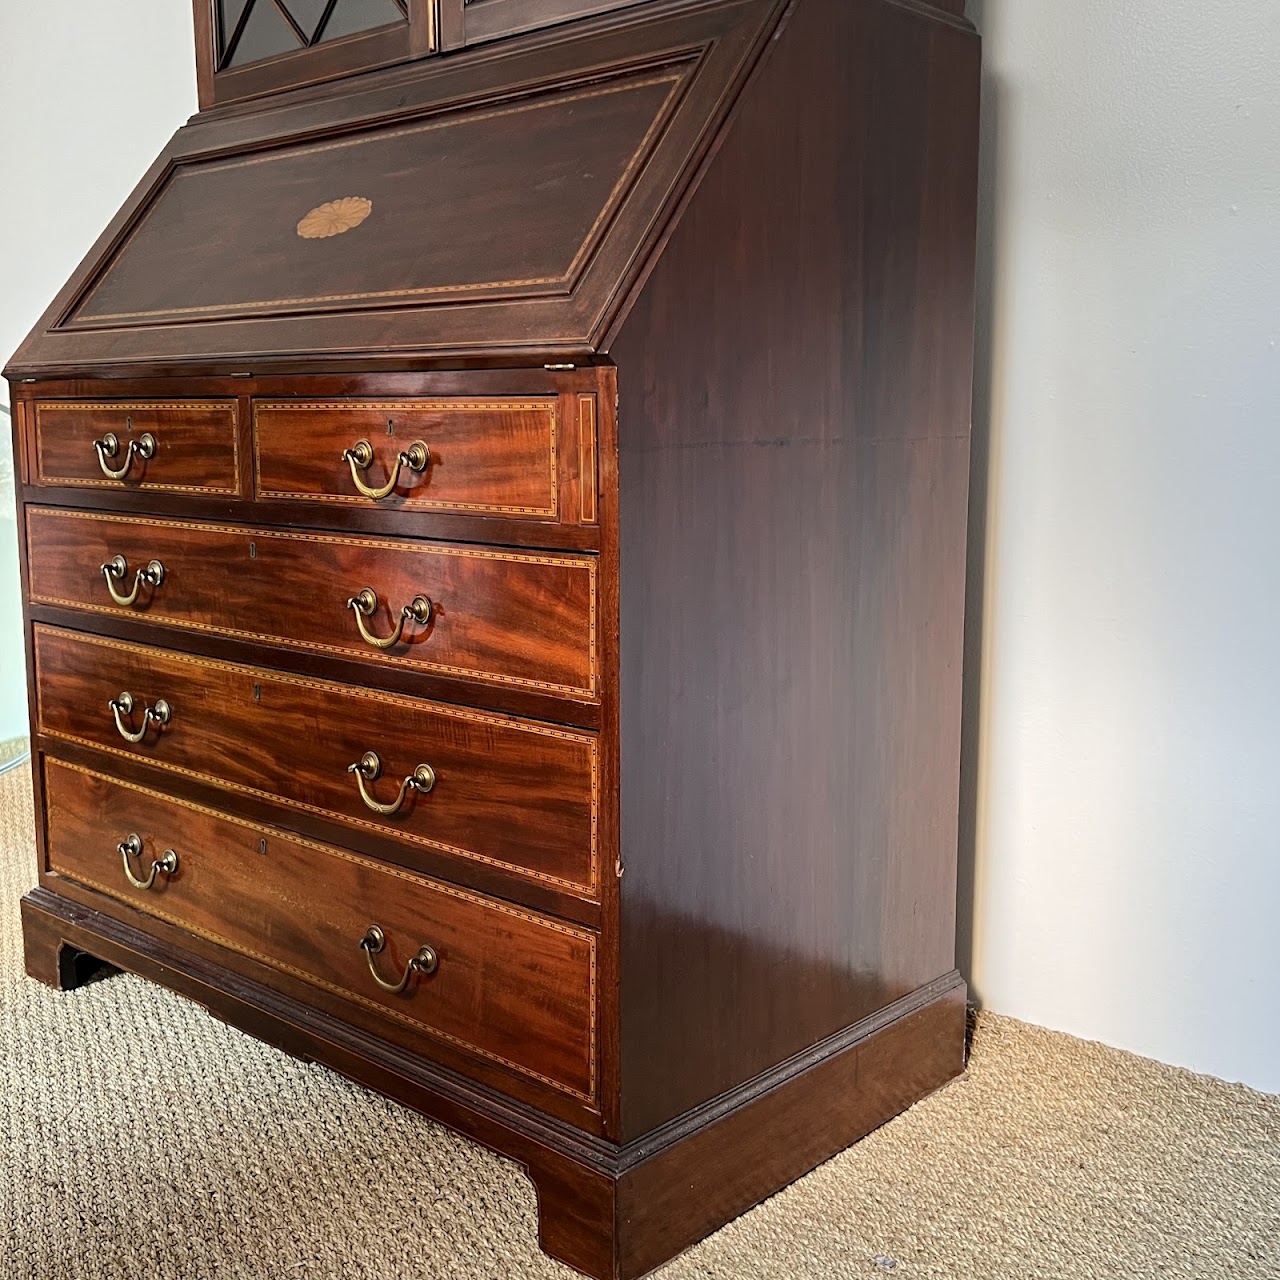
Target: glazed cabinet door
[[250, 47]]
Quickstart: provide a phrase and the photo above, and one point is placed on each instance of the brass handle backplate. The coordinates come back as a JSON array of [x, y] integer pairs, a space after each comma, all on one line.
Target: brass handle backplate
[[417, 457], [117, 569], [131, 847], [425, 962], [123, 706], [365, 604], [109, 446], [369, 768]]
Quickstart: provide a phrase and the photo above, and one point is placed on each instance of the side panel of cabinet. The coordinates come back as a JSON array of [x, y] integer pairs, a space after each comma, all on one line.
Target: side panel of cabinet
[[795, 386]]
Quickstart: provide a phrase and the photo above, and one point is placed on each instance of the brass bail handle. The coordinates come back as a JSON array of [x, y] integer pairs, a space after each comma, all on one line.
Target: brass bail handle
[[109, 446], [131, 847], [369, 768], [417, 457], [374, 942], [365, 603], [117, 569], [123, 706]]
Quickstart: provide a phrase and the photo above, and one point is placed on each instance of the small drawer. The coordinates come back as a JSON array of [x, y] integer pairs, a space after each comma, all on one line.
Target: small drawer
[[510, 618], [485, 457], [184, 446], [514, 794], [493, 980]]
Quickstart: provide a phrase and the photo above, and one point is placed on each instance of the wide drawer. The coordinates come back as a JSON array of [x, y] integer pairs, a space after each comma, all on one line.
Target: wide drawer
[[510, 793], [177, 446], [511, 618], [489, 457], [514, 987]]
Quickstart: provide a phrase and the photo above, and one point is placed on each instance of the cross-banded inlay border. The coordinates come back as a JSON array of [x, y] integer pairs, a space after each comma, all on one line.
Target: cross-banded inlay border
[[139, 406], [330, 689], [426, 503], [422, 882], [676, 80], [583, 564]]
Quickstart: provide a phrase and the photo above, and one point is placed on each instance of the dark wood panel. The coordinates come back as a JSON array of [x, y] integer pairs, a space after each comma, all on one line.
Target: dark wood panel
[[492, 19], [487, 878], [672, 1198], [517, 271], [496, 457], [511, 794], [299, 1017], [512, 986], [337, 224], [193, 445], [794, 386], [516, 619], [568, 389]]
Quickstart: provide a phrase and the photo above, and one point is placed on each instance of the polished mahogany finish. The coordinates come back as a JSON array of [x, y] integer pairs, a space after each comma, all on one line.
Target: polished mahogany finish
[[516, 659], [510, 617], [551, 205], [808, 472], [489, 457], [185, 446], [514, 987], [512, 794]]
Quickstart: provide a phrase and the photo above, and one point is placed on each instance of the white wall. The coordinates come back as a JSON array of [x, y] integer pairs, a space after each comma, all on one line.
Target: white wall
[[1126, 777], [89, 94], [1127, 883]]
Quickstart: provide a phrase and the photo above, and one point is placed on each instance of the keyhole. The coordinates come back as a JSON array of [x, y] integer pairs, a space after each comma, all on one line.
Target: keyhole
[[253, 551], [257, 693], [391, 426], [262, 846]]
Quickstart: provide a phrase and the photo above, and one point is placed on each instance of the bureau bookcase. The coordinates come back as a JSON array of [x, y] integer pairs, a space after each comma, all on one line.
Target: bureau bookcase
[[493, 517]]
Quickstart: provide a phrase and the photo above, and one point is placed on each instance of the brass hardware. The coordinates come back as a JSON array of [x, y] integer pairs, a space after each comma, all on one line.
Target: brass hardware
[[369, 767], [160, 714], [417, 457], [132, 848], [365, 604], [425, 962], [144, 447], [116, 569]]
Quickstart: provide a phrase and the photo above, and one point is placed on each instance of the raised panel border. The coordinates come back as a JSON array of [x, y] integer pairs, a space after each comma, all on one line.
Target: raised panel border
[[548, 406], [230, 406], [582, 563], [384, 868], [265, 675]]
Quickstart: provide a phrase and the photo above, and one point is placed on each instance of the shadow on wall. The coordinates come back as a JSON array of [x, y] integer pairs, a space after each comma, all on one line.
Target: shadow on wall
[[979, 506]]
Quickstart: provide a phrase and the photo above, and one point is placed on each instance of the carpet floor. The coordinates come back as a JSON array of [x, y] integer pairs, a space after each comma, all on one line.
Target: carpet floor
[[140, 1138]]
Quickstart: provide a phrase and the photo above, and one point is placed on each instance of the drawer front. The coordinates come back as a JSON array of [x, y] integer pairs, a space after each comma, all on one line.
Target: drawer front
[[489, 457], [516, 795], [184, 446], [510, 985], [505, 617]]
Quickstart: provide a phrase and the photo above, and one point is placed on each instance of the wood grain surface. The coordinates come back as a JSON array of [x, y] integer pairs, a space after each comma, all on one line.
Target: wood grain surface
[[517, 795], [510, 985], [512, 618]]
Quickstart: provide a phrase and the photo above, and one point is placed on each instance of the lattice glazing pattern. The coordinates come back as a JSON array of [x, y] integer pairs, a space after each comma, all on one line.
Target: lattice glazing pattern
[[250, 30]]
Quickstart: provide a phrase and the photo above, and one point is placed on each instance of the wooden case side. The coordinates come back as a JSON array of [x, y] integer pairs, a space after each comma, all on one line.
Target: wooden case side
[[795, 407]]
